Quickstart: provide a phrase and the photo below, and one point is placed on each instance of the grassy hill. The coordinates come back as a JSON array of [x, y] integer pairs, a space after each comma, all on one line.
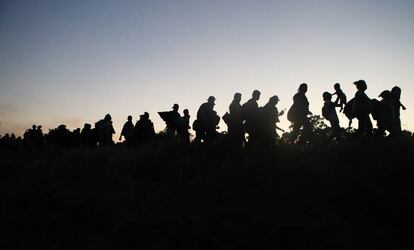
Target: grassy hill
[[173, 196]]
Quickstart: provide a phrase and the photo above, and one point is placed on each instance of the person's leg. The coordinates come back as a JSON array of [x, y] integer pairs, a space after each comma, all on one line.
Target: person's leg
[[295, 131], [307, 129]]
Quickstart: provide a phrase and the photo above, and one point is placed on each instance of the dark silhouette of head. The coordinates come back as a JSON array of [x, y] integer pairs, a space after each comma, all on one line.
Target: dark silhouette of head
[[130, 118], [211, 99], [210, 102], [186, 112], [256, 95], [326, 96], [34, 127], [237, 97], [87, 126], [274, 100], [396, 92], [361, 85], [144, 116], [175, 107], [303, 88], [108, 117], [337, 86], [386, 94]]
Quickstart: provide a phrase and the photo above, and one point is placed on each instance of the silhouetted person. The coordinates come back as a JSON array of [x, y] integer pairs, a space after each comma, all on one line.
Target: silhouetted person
[[269, 116], [144, 129], [76, 137], [386, 114], [14, 142], [59, 137], [6, 142], [250, 113], [329, 113], [361, 108], [183, 126], [396, 95], [127, 131], [10, 142], [88, 136], [235, 122], [31, 138], [172, 120], [38, 137], [340, 96], [207, 121], [298, 114], [104, 131]]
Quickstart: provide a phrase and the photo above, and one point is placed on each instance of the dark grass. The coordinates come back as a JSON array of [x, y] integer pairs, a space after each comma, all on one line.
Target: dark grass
[[171, 196]]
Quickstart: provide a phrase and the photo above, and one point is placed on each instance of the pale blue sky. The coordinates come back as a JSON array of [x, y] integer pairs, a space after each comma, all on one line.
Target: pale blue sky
[[74, 61]]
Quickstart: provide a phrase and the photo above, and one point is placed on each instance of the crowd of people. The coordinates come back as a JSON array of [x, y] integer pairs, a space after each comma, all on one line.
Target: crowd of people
[[247, 124]]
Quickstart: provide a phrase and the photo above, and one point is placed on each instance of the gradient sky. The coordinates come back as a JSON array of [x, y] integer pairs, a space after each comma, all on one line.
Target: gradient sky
[[71, 62]]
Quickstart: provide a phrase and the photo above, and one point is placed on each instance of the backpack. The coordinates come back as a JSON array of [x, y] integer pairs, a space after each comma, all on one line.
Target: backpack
[[196, 125], [226, 118], [325, 112], [291, 114], [376, 109], [348, 109], [244, 111], [100, 124]]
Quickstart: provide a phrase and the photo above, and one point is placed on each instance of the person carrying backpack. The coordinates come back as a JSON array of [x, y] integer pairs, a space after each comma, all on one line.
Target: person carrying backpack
[[298, 113], [361, 108]]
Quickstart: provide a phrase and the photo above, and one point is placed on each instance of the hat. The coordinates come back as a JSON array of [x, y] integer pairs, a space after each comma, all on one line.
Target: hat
[[385, 94], [274, 98], [360, 83]]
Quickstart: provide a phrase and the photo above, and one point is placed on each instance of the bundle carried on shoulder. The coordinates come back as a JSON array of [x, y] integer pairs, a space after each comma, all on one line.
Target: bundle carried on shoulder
[[226, 118], [291, 114], [376, 109], [348, 109], [196, 125], [100, 124], [325, 113]]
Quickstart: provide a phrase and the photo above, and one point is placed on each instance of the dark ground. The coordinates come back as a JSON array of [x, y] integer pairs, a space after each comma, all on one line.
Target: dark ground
[[168, 196]]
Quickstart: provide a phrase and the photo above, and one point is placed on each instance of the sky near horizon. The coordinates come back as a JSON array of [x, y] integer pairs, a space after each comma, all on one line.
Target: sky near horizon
[[71, 62]]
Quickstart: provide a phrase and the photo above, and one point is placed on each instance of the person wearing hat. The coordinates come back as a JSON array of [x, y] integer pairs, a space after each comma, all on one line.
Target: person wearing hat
[[361, 108], [269, 116], [207, 121]]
